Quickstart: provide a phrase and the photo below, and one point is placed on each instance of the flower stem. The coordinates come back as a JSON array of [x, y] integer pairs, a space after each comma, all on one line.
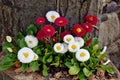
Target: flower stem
[[85, 65]]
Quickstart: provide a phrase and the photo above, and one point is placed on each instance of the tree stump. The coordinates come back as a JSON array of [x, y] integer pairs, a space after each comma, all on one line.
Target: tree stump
[[15, 15]]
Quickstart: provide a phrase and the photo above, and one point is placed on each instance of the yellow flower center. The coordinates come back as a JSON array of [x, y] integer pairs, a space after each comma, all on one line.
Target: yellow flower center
[[30, 41], [73, 46], [91, 18], [60, 21], [26, 54], [79, 30], [68, 39], [82, 54], [40, 20], [58, 48], [86, 26], [53, 17], [48, 30]]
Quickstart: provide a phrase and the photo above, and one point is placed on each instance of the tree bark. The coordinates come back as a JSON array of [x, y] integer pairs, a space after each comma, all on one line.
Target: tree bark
[[16, 15]]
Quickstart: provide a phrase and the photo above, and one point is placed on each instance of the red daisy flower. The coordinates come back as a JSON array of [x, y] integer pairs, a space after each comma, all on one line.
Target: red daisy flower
[[40, 35], [61, 21], [48, 30], [91, 19], [89, 42], [40, 20], [78, 30], [88, 27], [54, 39], [63, 34]]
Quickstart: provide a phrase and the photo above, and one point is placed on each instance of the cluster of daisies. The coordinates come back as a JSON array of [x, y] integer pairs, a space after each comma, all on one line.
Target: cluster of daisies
[[48, 33], [71, 43], [51, 30]]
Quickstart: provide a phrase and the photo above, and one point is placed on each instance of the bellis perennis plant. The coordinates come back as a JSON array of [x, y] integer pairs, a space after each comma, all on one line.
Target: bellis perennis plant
[[47, 44]]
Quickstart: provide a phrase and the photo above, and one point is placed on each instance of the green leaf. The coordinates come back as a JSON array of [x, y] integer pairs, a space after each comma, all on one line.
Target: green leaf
[[24, 67], [56, 64], [85, 38], [20, 35], [81, 75], [45, 71], [108, 69], [22, 43], [68, 64], [94, 41], [6, 45], [37, 50], [6, 66], [49, 47], [34, 66], [102, 56], [74, 70], [86, 72], [93, 62], [49, 59], [31, 29], [95, 48], [8, 58]]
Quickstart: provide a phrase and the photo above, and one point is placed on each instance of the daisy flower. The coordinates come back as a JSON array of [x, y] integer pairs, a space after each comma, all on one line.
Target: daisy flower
[[8, 38], [40, 35], [25, 55], [104, 50], [80, 41], [78, 30], [48, 30], [52, 15], [10, 49], [82, 55], [61, 22], [65, 48], [63, 34], [73, 46], [40, 20], [58, 47], [31, 41], [35, 57], [91, 19], [68, 38], [88, 27]]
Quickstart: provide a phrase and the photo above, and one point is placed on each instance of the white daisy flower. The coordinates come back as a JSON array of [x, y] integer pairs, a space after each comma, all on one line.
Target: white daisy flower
[[58, 47], [10, 49], [65, 48], [106, 62], [104, 50], [68, 38], [35, 57], [31, 41], [80, 41], [73, 46], [82, 55], [52, 15], [25, 55], [8, 38]]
